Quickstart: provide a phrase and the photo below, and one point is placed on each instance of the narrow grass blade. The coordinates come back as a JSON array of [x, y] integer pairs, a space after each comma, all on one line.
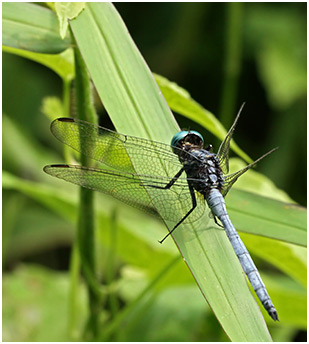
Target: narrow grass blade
[[136, 106], [267, 217]]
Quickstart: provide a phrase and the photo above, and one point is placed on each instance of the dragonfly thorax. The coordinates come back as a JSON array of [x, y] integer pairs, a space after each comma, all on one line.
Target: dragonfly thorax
[[203, 168]]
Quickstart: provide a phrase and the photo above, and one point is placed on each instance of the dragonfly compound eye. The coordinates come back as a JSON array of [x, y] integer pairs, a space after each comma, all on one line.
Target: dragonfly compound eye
[[190, 136]]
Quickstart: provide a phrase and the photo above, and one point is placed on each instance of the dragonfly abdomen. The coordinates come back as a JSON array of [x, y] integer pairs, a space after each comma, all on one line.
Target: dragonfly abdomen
[[217, 205]]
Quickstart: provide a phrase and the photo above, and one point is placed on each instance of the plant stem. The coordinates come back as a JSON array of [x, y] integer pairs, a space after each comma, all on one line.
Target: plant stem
[[111, 264], [74, 277], [66, 101], [66, 97], [85, 111]]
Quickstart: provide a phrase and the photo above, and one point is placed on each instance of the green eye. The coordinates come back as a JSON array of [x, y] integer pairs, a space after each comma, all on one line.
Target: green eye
[[181, 135]]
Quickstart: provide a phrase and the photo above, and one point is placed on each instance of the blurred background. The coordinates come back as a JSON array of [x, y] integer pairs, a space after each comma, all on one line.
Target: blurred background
[[223, 54]]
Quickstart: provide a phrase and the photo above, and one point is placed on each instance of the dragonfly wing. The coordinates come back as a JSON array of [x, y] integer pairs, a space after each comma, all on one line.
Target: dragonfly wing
[[231, 178], [135, 190], [223, 152], [122, 186], [115, 150]]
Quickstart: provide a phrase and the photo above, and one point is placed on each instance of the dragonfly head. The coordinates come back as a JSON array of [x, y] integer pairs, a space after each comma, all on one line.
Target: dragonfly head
[[186, 140]]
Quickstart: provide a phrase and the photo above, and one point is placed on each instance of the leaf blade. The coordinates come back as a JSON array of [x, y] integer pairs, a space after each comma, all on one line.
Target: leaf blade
[[134, 102], [31, 27]]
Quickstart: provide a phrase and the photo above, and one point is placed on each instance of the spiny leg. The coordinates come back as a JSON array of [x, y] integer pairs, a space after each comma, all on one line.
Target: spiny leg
[[194, 204], [168, 185]]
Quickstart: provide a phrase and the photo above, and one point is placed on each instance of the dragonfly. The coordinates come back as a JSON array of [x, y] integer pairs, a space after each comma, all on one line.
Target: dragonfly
[[175, 181]]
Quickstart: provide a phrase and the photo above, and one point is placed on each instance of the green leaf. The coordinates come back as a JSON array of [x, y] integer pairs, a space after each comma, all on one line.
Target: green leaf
[[267, 217], [28, 160], [66, 11], [62, 63], [31, 27], [34, 229], [136, 106], [42, 193]]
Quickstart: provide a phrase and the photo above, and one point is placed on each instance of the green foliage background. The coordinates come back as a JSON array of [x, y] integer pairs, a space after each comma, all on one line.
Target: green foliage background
[[223, 54]]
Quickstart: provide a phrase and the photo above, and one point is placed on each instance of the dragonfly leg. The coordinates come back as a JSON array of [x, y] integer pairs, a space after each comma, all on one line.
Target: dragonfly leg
[[194, 203], [217, 223], [168, 185]]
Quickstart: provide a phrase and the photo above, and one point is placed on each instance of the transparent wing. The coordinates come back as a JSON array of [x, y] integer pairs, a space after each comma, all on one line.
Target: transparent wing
[[231, 179], [223, 152], [114, 149], [172, 204]]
